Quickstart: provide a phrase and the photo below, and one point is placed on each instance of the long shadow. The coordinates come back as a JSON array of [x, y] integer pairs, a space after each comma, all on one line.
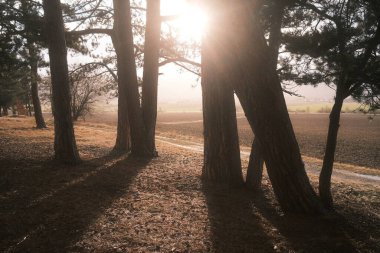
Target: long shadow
[[59, 215], [246, 221], [329, 233], [234, 225]]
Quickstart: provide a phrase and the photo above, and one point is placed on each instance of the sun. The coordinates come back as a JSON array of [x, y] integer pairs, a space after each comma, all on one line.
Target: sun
[[191, 22]]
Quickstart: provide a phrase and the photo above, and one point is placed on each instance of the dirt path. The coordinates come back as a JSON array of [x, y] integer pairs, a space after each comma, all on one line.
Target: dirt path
[[311, 168], [185, 121]]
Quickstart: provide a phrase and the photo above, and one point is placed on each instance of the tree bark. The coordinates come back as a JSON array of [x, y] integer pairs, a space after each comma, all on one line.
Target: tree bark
[[255, 167], [256, 161], [221, 142], [257, 85], [150, 75], [40, 122], [123, 41], [328, 160], [64, 139], [123, 138]]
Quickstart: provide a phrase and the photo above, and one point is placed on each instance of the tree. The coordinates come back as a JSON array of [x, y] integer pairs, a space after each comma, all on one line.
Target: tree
[[147, 111], [130, 127], [87, 82], [12, 67], [150, 74], [336, 43], [247, 62], [34, 77], [32, 23], [64, 139], [271, 19], [221, 142], [123, 41], [255, 167]]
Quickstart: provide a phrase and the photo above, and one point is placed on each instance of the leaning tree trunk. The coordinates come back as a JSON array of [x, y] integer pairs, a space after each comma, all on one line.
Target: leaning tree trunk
[[221, 142], [123, 41], [328, 160], [257, 85], [40, 122], [64, 139], [256, 161], [150, 75], [255, 167]]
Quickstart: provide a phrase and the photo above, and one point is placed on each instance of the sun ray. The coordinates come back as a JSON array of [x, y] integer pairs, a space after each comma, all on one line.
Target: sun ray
[[191, 22]]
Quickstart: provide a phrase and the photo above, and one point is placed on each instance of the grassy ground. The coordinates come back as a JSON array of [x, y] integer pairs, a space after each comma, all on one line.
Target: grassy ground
[[120, 204]]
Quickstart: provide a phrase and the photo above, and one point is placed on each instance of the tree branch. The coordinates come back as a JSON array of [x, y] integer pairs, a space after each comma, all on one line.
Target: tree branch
[[100, 64], [91, 31]]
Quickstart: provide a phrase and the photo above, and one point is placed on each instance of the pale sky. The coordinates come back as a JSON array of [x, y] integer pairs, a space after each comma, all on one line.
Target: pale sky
[[180, 86]]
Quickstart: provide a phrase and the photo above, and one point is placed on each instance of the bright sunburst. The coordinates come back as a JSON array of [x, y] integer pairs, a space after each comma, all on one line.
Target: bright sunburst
[[192, 20]]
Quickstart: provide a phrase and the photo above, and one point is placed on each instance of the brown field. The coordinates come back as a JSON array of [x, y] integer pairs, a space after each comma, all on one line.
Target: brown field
[[358, 140]]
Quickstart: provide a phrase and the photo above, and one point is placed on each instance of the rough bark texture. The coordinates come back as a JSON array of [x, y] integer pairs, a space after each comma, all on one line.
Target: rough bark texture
[[255, 167], [40, 122], [64, 140], [221, 142], [123, 137], [123, 41], [256, 161], [328, 160], [257, 85], [150, 76]]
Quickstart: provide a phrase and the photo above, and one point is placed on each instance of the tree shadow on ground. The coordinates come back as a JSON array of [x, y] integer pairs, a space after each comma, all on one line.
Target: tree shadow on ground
[[234, 226], [50, 207], [327, 233], [246, 221]]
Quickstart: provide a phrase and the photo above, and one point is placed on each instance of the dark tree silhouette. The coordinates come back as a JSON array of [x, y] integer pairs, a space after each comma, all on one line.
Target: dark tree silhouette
[[123, 42], [221, 142], [343, 50], [150, 75], [33, 62], [64, 140], [247, 62], [272, 16]]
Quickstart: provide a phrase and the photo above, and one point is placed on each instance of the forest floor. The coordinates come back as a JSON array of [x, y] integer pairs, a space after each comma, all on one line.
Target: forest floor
[[113, 203]]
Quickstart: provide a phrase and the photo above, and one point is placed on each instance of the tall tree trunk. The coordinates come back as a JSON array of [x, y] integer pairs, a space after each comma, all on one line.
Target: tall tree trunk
[[40, 122], [123, 41], [255, 167], [328, 160], [150, 76], [257, 85], [123, 138], [221, 142], [256, 161], [64, 139]]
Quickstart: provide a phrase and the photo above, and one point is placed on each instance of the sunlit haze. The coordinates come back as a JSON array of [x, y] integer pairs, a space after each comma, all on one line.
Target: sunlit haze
[[191, 21], [179, 89]]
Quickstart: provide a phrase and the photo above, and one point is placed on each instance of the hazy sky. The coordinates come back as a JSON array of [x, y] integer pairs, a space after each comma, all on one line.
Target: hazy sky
[[180, 86]]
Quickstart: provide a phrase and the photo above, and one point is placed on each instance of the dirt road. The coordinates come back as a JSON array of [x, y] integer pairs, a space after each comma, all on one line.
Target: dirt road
[[312, 168]]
